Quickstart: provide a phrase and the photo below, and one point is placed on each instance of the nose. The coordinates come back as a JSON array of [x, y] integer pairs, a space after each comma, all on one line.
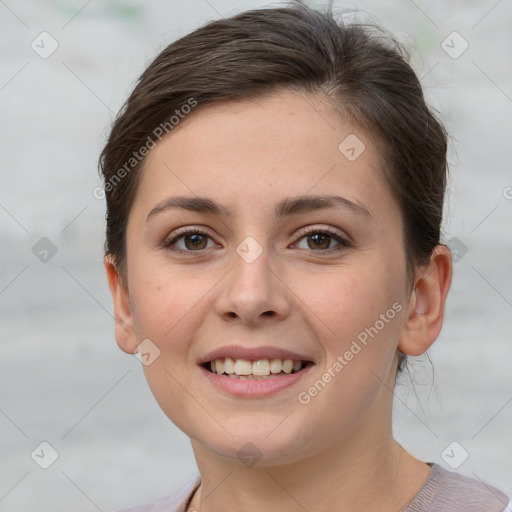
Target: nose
[[253, 292]]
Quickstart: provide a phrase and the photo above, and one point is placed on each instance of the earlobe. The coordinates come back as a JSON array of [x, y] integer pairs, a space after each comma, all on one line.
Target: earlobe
[[124, 328], [425, 311]]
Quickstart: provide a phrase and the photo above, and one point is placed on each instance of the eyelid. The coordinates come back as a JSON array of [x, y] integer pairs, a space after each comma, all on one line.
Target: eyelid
[[340, 237], [171, 239], [185, 230]]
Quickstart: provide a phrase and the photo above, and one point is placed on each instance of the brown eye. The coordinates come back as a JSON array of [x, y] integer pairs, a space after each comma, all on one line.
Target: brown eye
[[196, 241], [321, 240], [192, 240]]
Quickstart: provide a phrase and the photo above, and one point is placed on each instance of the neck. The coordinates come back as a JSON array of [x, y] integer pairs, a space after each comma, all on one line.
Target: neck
[[348, 476]]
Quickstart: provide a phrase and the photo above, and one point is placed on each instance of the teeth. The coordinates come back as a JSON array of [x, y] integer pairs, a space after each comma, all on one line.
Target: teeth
[[276, 366], [243, 367], [259, 369], [288, 366], [229, 365]]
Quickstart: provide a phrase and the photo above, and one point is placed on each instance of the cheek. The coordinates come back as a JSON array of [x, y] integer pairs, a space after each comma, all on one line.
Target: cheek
[[348, 300], [361, 313], [165, 303], [168, 311]]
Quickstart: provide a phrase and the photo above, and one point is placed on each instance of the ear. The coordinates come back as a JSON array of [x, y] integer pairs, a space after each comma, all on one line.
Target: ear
[[124, 329], [425, 311]]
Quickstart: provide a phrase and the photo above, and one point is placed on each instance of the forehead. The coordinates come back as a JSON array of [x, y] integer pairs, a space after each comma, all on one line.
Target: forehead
[[251, 153]]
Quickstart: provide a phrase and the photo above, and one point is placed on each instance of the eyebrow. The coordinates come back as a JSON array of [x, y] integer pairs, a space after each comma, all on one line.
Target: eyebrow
[[288, 206]]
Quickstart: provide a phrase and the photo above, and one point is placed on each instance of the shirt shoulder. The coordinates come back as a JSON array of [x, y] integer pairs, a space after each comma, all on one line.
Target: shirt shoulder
[[447, 491], [176, 502]]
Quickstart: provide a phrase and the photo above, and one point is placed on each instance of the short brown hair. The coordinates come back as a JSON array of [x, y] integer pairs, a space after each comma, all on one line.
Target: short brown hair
[[365, 75]]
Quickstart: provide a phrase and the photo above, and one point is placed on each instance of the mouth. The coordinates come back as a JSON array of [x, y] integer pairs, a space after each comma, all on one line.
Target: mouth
[[258, 369], [254, 372]]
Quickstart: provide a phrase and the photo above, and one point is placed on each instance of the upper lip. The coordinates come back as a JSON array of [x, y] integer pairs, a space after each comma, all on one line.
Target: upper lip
[[252, 354]]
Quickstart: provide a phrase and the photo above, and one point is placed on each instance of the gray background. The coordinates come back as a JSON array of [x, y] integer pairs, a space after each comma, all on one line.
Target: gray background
[[62, 377]]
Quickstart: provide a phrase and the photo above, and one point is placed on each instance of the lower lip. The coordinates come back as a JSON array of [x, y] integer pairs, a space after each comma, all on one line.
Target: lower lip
[[251, 388]]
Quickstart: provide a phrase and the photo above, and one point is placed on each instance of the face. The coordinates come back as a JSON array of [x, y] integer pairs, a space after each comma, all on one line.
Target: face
[[321, 282]]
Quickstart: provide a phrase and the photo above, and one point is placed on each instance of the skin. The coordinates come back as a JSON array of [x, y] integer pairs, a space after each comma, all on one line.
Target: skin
[[337, 451]]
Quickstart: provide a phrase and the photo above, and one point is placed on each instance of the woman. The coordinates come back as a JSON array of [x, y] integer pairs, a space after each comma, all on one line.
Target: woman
[[275, 188]]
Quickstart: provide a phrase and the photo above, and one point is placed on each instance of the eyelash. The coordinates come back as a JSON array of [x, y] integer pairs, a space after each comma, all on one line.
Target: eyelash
[[343, 244]]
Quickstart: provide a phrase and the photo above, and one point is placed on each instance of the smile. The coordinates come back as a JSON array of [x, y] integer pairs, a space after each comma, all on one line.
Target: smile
[[259, 369]]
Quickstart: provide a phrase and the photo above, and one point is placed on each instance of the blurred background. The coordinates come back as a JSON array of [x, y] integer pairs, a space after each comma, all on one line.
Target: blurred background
[[67, 67]]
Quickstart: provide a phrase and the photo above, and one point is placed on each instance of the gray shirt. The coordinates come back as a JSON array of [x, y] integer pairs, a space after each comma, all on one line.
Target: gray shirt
[[443, 491]]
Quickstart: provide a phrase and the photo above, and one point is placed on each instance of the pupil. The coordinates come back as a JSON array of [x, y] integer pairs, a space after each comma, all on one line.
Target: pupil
[[196, 239], [318, 236]]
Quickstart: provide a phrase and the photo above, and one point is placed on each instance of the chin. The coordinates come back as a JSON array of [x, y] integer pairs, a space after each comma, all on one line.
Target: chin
[[251, 444]]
